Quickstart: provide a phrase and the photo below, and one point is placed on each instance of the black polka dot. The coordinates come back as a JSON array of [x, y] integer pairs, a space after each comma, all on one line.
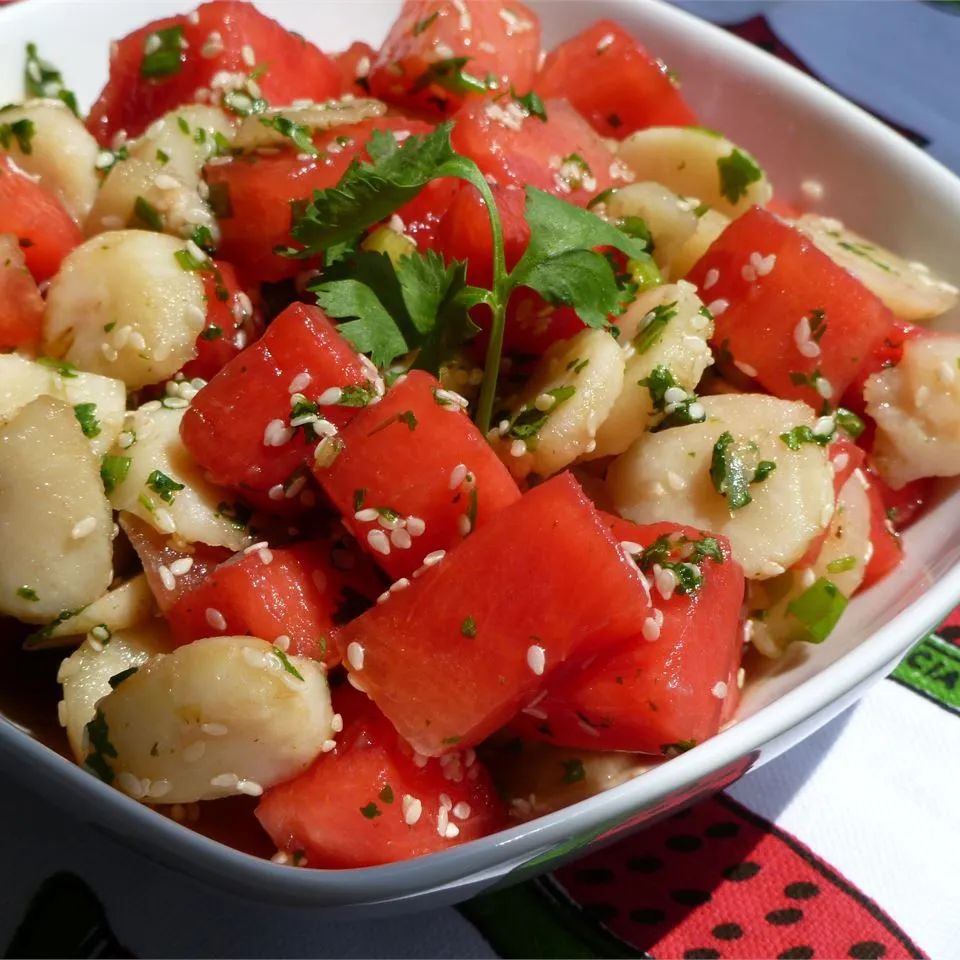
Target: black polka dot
[[783, 918], [801, 891], [684, 843], [802, 952], [867, 950], [600, 912], [647, 915], [690, 898], [728, 931], [701, 953], [594, 876], [742, 871], [722, 830], [647, 864]]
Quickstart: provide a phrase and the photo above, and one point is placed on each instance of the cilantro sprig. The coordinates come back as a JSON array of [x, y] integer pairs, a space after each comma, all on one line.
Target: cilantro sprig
[[421, 303]]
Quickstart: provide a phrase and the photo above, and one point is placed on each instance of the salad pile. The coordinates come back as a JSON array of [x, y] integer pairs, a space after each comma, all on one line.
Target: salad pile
[[417, 439]]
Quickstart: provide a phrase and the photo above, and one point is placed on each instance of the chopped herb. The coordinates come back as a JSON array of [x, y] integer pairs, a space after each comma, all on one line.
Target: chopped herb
[[162, 53], [155, 749], [203, 238], [213, 332], [677, 412], [101, 748], [737, 171], [849, 422], [864, 250], [164, 487], [163, 157], [113, 471], [450, 75], [818, 324], [731, 473], [841, 564], [355, 395], [818, 608], [66, 370], [468, 628], [764, 469], [42, 79], [655, 322], [675, 749], [286, 664], [297, 132], [530, 421], [146, 216], [531, 103], [243, 103], [602, 197], [804, 434], [358, 497], [576, 180], [183, 125], [472, 503], [21, 131], [683, 556], [424, 24], [86, 414], [386, 794], [107, 327], [118, 678], [371, 810], [388, 514], [573, 771], [28, 593], [45, 632], [189, 262]]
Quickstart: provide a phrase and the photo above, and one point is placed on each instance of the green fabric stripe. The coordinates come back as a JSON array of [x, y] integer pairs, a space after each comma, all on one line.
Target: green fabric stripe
[[932, 668]]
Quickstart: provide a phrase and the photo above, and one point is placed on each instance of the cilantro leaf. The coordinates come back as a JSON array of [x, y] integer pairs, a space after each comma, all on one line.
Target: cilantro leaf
[[297, 132], [730, 473], [43, 79], [450, 75], [737, 171], [21, 131]]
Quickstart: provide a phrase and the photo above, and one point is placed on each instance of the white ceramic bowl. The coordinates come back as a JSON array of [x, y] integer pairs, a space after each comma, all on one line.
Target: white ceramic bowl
[[875, 180]]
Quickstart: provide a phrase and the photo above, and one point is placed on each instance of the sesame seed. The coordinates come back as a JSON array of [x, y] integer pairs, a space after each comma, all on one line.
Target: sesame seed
[[457, 475], [840, 462], [282, 642], [83, 528], [824, 387], [824, 427], [300, 382], [719, 690], [665, 581], [605, 41], [711, 277], [717, 307], [518, 448], [770, 569], [536, 659], [812, 190], [109, 353], [355, 655], [276, 434], [229, 780], [433, 558], [748, 272], [651, 626], [415, 526], [808, 578], [255, 547], [329, 397], [401, 539], [130, 784], [745, 368], [803, 341], [168, 580], [367, 515], [212, 46], [545, 402], [452, 831], [247, 55], [294, 489], [412, 809], [420, 759], [363, 67], [461, 810], [697, 411], [266, 556], [464, 525], [378, 541], [741, 678], [763, 265], [249, 787], [443, 821], [194, 752], [329, 745], [215, 619]]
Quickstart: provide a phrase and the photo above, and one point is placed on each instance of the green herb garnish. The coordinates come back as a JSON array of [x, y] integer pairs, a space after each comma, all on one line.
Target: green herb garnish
[[163, 486], [86, 414], [162, 53], [737, 171]]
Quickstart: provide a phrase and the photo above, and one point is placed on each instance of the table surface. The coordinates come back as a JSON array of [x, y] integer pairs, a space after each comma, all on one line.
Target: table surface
[[845, 846]]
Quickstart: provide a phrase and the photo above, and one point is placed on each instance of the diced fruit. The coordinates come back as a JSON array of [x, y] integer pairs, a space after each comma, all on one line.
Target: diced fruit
[[370, 801], [887, 547], [21, 306], [903, 506], [238, 427], [253, 194], [784, 312], [563, 155], [354, 65], [415, 476], [449, 664], [663, 690], [172, 61], [613, 81], [297, 592], [42, 227], [441, 52], [887, 353]]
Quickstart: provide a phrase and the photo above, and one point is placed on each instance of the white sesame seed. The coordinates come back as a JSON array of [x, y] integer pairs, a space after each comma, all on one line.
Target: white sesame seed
[[276, 434], [215, 619], [651, 626], [355, 655], [545, 402], [366, 515], [763, 265], [443, 821], [196, 252], [266, 556], [168, 580], [536, 659], [296, 487], [329, 397], [434, 558], [130, 784], [378, 541], [457, 475], [741, 678], [83, 528], [518, 448], [229, 780], [711, 277], [401, 539], [255, 547], [109, 353], [415, 526], [840, 462], [212, 46], [745, 368], [748, 272], [824, 387], [336, 723], [461, 810], [420, 759], [248, 56], [771, 569], [719, 690], [249, 787], [282, 642], [452, 831], [464, 525], [214, 729], [697, 411], [717, 307], [808, 577], [812, 190], [824, 426], [665, 581], [194, 752], [412, 809], [300, 382]]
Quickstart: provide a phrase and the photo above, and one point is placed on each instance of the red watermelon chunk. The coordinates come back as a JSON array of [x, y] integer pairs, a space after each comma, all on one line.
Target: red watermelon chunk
[[238, 427], [371, 801], [21, 306], [664, 689], [454, 656], [415, 476]]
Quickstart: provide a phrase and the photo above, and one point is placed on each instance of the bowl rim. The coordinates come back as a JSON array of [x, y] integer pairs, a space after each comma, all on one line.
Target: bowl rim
[[519, 844]]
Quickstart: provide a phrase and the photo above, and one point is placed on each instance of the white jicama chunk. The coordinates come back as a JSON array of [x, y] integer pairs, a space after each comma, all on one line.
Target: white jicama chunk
[[273, 127], [908, 288], [710, 225], [157, 456], [665, 327], [123, 306], [669, 218], [842, 561], [62, 153], [216, 718], [917, 408], [23, 380], [698, 163], [86, 673], [666, 476], [128, 605], [55, 523], [570, 393]]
